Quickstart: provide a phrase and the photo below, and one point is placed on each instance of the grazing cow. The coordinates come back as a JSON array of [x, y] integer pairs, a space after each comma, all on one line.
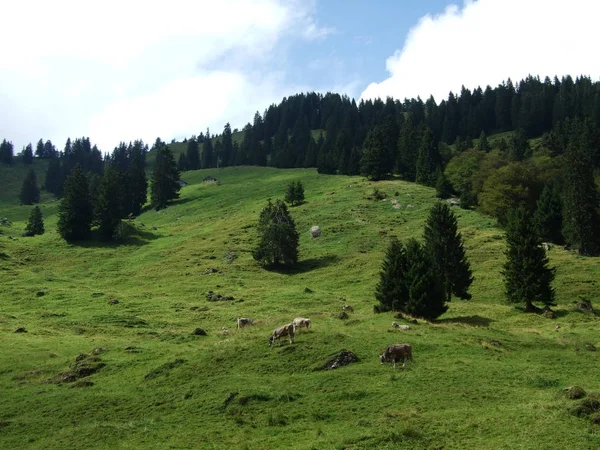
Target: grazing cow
[[395, 325], [224, 330], [348, 308], [243, 321], [301, 322], [397, 352], [286, 330]]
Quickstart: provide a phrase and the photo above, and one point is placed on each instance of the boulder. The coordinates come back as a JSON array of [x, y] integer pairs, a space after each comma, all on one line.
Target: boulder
[[585, 305], [199, 332], [21, 330], [575, 392], [343, 358], [315, 231]]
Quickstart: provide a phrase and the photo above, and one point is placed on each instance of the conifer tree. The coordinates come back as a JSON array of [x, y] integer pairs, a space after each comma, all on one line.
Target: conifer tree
[[392, 289], [227, 152], [109, 205], [443, 188], [182, 163], [483, 144], [408, 148], [6, 152], [444, 243], [207, 151], [30, 193], [373, 160], [165, 178], [192, 155], [310, 157], [53, 180], [548, 215], [27, 154], [35, 225], [75, 212], [428, 160], [278, 238], [294, 193], [527, 277], [426, 297], [137, 182], [581, 218], [39, 149]]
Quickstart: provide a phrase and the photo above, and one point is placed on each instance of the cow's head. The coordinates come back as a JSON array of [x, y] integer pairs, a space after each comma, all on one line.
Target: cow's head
[[271, 340], [382, 358]]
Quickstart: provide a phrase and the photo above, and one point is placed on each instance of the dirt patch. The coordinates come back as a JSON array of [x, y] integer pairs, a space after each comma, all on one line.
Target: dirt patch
[[85, 365]]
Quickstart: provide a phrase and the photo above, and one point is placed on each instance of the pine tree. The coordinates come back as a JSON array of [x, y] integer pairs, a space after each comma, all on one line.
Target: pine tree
[[75, 212], [581, 219], [426, 297], [53, 180], [192, 155], [483, 144], [182, 163], [6, 152], [408, 148], [27, 154], [227, 140], [35, 225], [30, 193], [373, 161], [444, 243], [428, 160], [443, 188], [39, 149], [310, 157], [109, 205], [165, 178], [294, 193], [519, 148], [392, 290], [278, 238], [527, 277], [137, 182], [548, 216], [207, 151]]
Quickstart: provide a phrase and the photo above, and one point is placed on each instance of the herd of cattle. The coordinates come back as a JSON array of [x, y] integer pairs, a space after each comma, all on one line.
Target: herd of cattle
[[392, 354]]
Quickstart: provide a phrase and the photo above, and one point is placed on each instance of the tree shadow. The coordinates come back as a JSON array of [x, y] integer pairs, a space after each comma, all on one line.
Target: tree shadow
[[306, 265], [474, 321], [134, 238]]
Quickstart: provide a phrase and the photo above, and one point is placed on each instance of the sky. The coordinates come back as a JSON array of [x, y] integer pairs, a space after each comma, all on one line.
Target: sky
[[124, 70]]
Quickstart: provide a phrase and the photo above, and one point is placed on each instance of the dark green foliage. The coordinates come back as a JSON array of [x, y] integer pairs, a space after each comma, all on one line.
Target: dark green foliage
[[165, 178], [207, 152], [192, 154], [94, 181], [278, 238], [310, 157], [30, 193], [109, 205], [53, 181], [483, 144], [468, 199], [226, 157], [527, 277], [428, 160], [373, 162], [294, 193], [444, 244], [392, 290], [39, 149], [426, 297], [519, 148], [581, 218], [75, 211], [27, 154], [136, 181], [443, 188], [408, 148], [548, 215], [6, 152], [35, 225]]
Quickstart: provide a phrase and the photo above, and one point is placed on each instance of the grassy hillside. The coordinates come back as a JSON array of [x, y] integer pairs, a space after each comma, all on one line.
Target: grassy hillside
[[485, 375]]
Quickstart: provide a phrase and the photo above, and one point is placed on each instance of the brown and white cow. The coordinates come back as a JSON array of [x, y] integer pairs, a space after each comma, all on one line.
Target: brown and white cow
[[348, 308], [301, 322], [243, 321], [286, 330], [397, 352]]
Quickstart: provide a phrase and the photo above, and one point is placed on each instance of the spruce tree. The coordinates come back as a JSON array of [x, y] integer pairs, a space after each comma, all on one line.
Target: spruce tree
[[53, 180], [294, 193], [182, 163], [192, 155], [426, 297], [109, 206], [6, 152], [227, 140], [35, 225], [278, 238], [527, 277], [137, 182], [373, 161], [30, 193], [443, 188], [483, 144], [165, 178], [207, 151], [75, 212], [444, 243], [27, 154], [581, 218], [428, 160], [392, 289], [548, 215], [39, 149]]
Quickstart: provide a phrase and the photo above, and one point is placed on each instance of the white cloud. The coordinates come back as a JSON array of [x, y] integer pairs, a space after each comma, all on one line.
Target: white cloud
[[119, 70], [488, 41]]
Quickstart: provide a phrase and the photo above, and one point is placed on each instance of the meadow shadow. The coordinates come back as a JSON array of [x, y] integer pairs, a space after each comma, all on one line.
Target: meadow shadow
[[306, 265], [474, 321], [135, 238]]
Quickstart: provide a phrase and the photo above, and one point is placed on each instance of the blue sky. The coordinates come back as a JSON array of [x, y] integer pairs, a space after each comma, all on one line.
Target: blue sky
[[118, 71]]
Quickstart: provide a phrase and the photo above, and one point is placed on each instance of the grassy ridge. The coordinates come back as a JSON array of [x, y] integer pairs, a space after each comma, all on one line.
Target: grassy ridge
[[162, 387]]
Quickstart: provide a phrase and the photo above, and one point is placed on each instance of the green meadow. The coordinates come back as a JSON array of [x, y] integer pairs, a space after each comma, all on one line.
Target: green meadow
[[109, 359]]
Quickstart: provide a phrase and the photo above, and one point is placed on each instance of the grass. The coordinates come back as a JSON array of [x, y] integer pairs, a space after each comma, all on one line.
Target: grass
[[485, 375]]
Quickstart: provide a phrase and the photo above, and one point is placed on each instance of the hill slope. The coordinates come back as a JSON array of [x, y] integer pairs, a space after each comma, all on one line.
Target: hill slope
[[160, 386]]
